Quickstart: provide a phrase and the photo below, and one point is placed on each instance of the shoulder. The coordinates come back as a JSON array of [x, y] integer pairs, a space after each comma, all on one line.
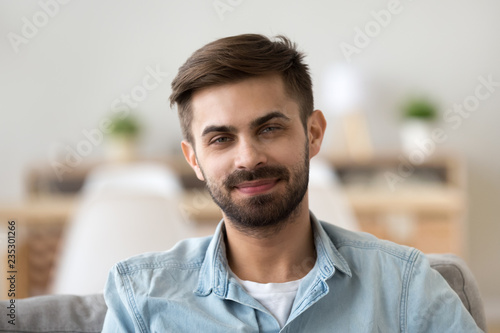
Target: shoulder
[[187, 254], [356, 246], [136, 285]]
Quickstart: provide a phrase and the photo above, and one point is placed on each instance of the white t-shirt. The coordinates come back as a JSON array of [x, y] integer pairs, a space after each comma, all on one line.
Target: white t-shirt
[[276, 297]]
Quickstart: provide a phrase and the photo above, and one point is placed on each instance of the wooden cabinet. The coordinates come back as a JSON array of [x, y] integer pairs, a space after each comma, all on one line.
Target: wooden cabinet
[[422, 205]]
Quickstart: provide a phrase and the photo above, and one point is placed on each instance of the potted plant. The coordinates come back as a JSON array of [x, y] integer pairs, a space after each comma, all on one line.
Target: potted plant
[[123, 134], [418, 115], [421, 109]]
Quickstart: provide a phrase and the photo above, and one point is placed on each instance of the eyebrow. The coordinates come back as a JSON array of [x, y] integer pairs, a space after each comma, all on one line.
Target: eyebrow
[[255, 123], [215, 128], [264, 119]]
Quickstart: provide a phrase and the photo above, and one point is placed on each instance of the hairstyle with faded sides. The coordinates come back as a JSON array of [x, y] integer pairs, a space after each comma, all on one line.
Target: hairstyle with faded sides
[[235, 58]]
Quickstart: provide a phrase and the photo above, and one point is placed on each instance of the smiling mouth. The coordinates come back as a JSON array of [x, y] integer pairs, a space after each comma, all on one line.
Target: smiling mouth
[[257, 186]]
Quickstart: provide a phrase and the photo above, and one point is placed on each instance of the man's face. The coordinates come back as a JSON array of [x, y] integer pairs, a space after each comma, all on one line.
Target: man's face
[[251, 149]]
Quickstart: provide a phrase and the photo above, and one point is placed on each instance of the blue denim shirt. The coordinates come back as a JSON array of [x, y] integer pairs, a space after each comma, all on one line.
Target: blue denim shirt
[[358, 284]]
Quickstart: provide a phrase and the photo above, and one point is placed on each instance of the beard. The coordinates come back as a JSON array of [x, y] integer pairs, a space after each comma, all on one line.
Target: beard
[[270, 211]]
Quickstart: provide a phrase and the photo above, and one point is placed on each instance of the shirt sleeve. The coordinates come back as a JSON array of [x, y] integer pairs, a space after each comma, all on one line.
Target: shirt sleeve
[[431, 305], [122, 315]]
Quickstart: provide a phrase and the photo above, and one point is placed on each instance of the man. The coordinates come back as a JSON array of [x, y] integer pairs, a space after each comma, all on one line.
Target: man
[[246, 109]]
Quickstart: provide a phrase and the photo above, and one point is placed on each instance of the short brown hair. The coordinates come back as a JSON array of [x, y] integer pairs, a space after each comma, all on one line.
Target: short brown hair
[[232, 59]]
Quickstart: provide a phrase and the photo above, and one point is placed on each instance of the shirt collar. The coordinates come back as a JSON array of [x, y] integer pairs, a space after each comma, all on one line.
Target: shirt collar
[[214, 273], [328, 257]]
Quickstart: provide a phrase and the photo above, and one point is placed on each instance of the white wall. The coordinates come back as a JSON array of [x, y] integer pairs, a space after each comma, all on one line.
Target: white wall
[[65, 78]]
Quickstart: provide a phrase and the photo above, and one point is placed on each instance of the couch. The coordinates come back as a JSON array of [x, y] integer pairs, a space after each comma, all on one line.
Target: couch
[[70, 313]]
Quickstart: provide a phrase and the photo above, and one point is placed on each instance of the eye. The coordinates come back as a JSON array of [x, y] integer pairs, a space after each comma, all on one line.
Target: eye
[[270, 129], [220, 140]]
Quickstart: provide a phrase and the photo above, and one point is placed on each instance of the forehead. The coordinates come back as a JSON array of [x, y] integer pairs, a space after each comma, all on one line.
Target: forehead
[[237, 104]]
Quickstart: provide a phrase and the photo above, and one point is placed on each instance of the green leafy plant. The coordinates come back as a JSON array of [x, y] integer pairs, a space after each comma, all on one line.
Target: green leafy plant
[[420, 108], [127, 126]]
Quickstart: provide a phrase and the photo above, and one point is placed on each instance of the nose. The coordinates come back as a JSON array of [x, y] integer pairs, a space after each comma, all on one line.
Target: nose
[[249, 155]]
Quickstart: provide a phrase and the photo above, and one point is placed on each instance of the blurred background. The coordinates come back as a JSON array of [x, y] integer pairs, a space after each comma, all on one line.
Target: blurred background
[[90, 149]]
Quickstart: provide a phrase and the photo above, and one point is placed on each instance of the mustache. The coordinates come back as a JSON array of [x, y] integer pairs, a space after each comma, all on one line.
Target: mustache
[[240, 176]]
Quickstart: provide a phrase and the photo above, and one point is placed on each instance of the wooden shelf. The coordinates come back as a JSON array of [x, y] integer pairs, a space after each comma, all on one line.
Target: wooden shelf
[[425, 209]]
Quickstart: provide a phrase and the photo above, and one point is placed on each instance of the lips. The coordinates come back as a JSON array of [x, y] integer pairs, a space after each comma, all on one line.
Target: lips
[[257, 186]]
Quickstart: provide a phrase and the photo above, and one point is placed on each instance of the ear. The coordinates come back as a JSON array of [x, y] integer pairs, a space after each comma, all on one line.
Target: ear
[[190, 155], [316, 126]]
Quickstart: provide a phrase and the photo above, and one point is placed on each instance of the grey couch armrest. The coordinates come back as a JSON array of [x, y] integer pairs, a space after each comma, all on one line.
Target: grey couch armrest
[[458, 275], [56, 313]]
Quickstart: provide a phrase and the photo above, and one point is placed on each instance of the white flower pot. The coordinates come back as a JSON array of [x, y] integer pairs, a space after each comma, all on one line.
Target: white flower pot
[[414, 133], [121, 149]]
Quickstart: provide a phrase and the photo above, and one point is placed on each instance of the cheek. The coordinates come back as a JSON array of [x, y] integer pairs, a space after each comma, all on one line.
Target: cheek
[[287, 157], [292, 153], [216, 169]]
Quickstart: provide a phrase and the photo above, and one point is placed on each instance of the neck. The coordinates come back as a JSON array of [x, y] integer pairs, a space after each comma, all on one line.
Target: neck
[[286, 254]]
